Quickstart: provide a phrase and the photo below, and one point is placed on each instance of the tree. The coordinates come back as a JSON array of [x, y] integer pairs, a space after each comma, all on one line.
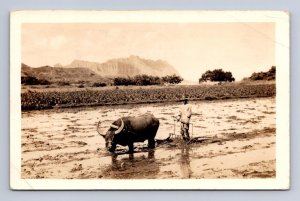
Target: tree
[[172, 79], [229, 77], [217, 75]]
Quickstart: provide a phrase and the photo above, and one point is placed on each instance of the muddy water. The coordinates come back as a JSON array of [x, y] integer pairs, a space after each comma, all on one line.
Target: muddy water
[[64, 143]]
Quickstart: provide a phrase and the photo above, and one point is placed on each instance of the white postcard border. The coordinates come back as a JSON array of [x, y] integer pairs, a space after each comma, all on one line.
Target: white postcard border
[[281, 18]]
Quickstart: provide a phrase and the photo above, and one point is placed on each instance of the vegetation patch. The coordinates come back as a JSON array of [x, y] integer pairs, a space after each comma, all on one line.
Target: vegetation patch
[[36, 100]]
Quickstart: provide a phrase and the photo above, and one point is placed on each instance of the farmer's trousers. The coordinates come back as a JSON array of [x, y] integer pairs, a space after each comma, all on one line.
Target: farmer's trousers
[[185, 131]]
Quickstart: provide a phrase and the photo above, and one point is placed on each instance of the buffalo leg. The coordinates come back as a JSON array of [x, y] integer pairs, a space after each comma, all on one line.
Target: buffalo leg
[[130, 151], [114, 156], [151, 143], [130, 146], [113, 147], [151, 154], [114, 160]]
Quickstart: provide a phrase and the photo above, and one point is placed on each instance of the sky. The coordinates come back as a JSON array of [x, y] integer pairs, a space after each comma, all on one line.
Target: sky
[[191, 48]]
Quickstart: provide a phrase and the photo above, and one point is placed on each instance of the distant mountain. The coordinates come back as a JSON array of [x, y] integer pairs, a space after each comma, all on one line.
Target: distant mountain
[[124, 67], [58, 74]]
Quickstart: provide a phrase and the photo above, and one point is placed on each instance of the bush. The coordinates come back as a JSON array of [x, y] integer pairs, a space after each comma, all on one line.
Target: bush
[[99, 84], [122, 81], [34, 81]]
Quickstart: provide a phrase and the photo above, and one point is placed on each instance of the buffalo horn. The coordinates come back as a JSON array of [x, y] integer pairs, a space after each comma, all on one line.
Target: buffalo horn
[[98, 129], [114, 126], [119, 129]]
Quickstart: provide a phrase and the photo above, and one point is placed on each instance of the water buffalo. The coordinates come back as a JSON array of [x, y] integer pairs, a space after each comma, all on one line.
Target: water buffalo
[[127, 130]]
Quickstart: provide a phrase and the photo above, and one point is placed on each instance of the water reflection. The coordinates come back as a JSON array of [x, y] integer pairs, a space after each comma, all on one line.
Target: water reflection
[[184, 161], [138, 166], [131, 156]]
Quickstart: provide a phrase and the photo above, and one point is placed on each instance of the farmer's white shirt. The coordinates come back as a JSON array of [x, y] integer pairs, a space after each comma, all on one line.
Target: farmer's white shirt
[[185, 113]]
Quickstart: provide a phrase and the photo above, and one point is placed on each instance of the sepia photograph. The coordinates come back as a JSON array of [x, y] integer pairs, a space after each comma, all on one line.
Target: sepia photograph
[[149, 100]]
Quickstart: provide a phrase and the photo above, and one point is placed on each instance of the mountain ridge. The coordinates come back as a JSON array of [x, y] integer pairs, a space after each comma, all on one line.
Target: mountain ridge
[[59, 74], [123, 67]]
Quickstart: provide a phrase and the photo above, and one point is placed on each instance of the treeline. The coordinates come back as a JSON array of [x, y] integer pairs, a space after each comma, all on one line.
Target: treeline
[[30, 80], [139, 80], [269, 75], [144, 80], [218, 75]]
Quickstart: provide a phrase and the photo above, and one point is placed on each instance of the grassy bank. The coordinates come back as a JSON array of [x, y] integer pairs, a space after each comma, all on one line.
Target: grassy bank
[[46, 99]]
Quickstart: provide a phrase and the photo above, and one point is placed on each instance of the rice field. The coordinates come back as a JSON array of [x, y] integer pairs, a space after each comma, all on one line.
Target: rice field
[[64, 143]]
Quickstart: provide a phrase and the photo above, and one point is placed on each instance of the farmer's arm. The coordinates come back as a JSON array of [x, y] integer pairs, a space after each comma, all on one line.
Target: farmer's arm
[[189, 112], [179, 115]]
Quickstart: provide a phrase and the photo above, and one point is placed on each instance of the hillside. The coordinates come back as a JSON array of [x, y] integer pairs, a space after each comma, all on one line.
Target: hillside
[[58, 74], [123, 67]]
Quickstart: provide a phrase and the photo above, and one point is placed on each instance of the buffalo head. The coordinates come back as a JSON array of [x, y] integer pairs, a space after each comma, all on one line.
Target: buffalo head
[[110, 134]]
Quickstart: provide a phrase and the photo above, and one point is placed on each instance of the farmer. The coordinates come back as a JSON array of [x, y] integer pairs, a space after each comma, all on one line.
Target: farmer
[[184, 117]]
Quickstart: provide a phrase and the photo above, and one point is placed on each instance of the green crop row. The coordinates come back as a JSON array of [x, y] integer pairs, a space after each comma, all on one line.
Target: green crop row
[[115, 96]]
